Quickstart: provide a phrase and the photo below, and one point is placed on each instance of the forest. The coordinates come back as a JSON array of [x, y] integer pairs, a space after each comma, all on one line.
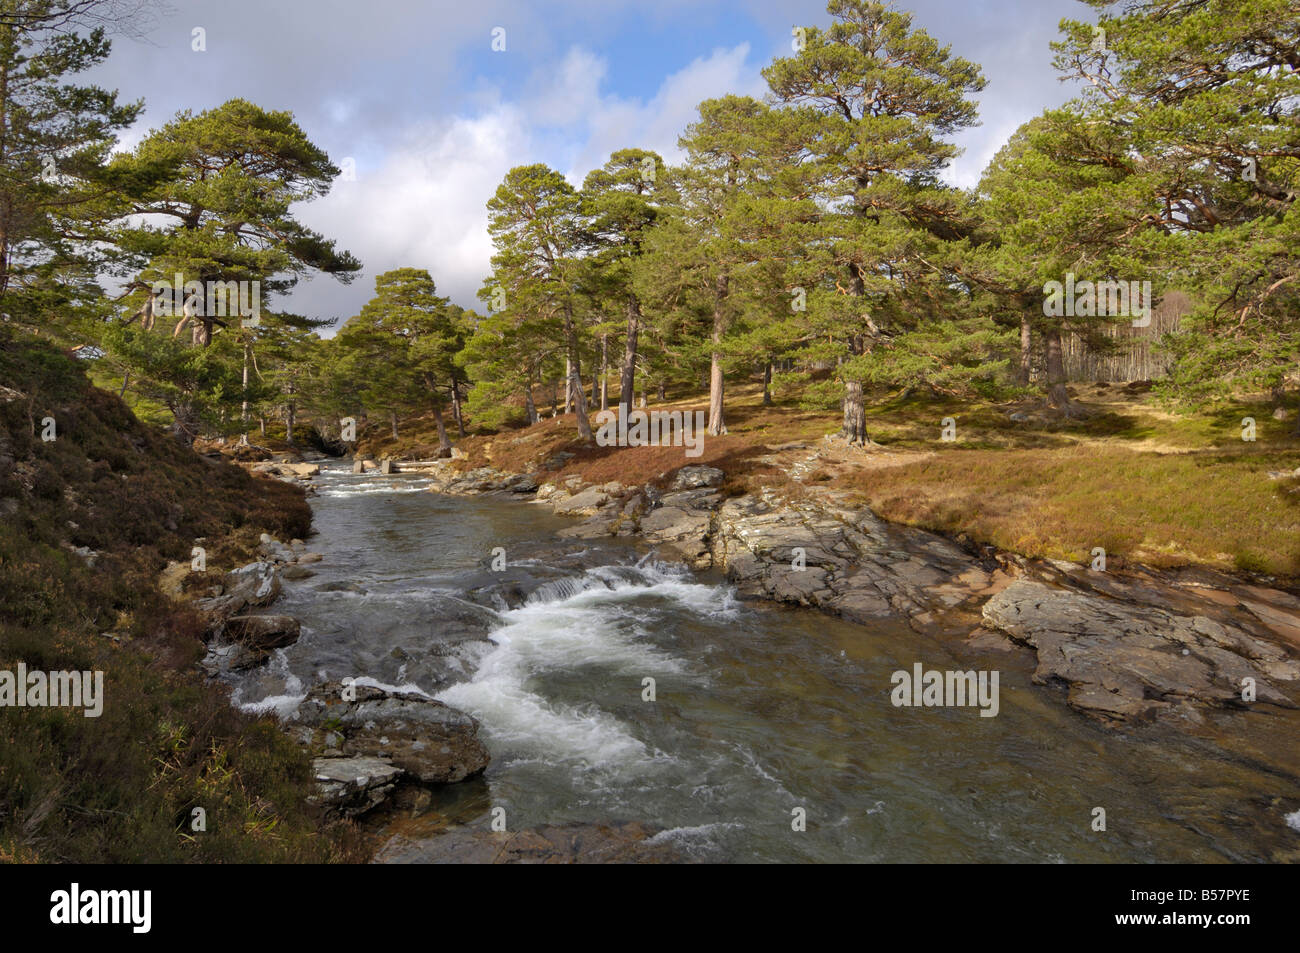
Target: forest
[[807, 241]]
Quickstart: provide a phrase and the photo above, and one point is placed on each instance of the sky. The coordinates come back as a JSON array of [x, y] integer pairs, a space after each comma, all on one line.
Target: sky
[[412, 96]]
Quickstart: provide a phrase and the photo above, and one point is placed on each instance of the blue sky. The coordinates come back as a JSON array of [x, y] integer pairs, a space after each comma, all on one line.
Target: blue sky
[[432, 117]]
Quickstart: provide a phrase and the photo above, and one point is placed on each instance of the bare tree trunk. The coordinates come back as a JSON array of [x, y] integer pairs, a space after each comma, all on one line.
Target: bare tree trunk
[[604, 373], [575, 375], [1026, 350], [261, 423], [1057, 394], [717, 421], [126, 380], [243, 437], [568, 383], [290, 420], [627, 379], [444, 444], [529, 406], [854, 428], [767, 385], [455, 408], [392, 416]]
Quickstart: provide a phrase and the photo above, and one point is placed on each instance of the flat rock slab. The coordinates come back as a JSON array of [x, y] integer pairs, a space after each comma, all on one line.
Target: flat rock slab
[[353, 786], [1123, 661]]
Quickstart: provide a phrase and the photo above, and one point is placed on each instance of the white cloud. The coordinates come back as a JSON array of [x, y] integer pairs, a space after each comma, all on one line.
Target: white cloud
[[424, 204]]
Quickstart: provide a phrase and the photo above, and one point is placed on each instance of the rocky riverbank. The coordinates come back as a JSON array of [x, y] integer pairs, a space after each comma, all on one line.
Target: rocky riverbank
[[367, 744], [1126, 647]]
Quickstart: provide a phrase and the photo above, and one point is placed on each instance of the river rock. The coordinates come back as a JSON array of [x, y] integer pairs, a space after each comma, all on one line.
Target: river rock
[[844, 560], [261, 633], [1122, 661], [588, 501], [430, 742], [682, 522], [694, 477], [253, 586], [353, 786]]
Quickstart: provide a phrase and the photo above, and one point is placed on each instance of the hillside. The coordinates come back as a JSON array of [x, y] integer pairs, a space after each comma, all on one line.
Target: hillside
[[87, 522]]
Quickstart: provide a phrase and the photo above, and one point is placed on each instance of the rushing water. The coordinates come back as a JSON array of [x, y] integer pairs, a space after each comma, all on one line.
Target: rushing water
[[758, 710]]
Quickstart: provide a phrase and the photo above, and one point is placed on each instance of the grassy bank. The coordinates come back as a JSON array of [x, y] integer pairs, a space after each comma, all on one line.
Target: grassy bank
[[1146, 485], [123, 787]]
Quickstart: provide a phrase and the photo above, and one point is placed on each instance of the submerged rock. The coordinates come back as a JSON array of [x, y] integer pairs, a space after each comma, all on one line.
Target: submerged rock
[[613, 843]]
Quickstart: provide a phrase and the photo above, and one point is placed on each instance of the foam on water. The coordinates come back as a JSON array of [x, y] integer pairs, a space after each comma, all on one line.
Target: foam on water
[[283, 705], [569, 625]]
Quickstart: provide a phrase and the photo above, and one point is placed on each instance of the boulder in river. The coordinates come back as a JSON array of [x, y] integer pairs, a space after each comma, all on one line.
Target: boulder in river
[[263, 632], [253, 586], [426, 741], [353, 786]]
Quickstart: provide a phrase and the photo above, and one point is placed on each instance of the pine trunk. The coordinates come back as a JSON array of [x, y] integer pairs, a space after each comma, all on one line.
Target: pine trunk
[[575, 375], [444, 444], [717, 421], [1057, 394], [627, 379], [455, 409], [604, 373], [1026, 350], [854, 428]]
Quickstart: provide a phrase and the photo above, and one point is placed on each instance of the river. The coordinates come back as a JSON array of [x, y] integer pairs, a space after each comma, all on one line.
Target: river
[[759, 712]]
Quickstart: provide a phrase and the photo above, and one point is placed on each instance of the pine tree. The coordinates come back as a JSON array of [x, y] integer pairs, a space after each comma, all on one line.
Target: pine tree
[[1207, 94], [888, 95], [54, 139], [534, 219], [217, 212]]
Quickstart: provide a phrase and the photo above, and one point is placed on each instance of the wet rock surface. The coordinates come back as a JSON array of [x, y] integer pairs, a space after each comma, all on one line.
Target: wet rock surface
[[368, 740], [613, 843], [1120, 660]]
